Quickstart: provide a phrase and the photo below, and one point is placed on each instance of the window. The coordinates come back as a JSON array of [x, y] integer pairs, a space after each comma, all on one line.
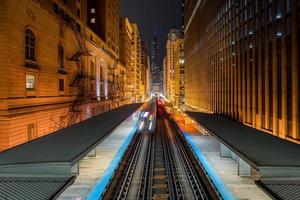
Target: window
[[29, 45], [288, 6], [78, 12], [278, 10], [61, 55], [270, 86], [93, 10], [270, 14], [30, 82], [101, 73], [263, 91], [262, 5], [31, 133], [92, 72], [289, 85], [279, 79], [61, 85], [262, 19], [93, 20]]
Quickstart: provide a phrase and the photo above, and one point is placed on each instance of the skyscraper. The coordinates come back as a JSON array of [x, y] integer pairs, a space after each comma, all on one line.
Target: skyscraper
[[154, 54], [103, 19], [155, 69], [242, 61], [136, 63], [182, 18], [144, 68], [172, 43], [125, 40]]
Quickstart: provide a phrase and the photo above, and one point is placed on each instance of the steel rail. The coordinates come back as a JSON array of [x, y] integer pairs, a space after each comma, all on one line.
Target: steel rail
[[164, 169], [197, 187], [129, 172]]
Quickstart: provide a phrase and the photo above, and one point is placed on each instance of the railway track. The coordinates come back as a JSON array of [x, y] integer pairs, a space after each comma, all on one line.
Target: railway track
[[159, 165]]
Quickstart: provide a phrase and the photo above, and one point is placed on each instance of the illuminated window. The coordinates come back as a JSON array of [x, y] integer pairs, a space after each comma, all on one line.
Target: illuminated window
[[93, 20], [30, 82]]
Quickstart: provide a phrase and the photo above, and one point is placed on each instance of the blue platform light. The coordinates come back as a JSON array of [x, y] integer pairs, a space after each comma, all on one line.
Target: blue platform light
[[215, 178], [101, 185]]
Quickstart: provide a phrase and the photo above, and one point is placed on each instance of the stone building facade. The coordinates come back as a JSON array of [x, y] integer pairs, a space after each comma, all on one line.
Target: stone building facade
[[134, 57], [125, 53], [55, 70], [136, 64], [179, 74], [242, 61], [171, 59]]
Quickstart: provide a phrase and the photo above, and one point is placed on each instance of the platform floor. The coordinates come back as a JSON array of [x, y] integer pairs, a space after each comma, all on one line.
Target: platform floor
[[226, 168], [92, 168]]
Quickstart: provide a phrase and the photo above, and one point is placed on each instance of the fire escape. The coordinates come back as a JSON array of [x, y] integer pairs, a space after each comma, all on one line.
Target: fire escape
[[81, 77]]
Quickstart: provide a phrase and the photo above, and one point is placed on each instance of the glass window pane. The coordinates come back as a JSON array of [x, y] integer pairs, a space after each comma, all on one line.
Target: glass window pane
[[30, 81]]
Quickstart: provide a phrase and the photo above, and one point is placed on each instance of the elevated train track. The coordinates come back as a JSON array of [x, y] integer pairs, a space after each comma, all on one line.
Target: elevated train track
[[159, 165]]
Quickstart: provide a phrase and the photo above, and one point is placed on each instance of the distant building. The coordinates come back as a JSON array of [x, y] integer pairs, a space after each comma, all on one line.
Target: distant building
[[181, 73], [154, 54], [136, 81], [172, 46], [103, 18], [148, 78], [155, 69], [242, 61], [126, 54], [173, 68], [78, 8], [144, 69], [182, 19], [164, 79]]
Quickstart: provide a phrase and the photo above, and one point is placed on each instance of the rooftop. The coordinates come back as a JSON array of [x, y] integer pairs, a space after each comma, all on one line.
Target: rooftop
[[258, 148], [33, 188], [67, 145], [282, 189]]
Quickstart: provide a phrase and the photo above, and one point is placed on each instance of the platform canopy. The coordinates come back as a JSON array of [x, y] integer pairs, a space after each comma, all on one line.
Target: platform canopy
[[258, 148], [68, 145], [288, 189], [33, 188]]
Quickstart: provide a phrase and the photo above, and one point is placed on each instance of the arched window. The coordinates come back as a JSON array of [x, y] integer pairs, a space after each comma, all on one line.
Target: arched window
[[61, 56], [30, 45]]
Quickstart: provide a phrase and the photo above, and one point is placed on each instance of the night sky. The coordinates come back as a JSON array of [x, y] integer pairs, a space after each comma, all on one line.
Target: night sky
[[161, 15]]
